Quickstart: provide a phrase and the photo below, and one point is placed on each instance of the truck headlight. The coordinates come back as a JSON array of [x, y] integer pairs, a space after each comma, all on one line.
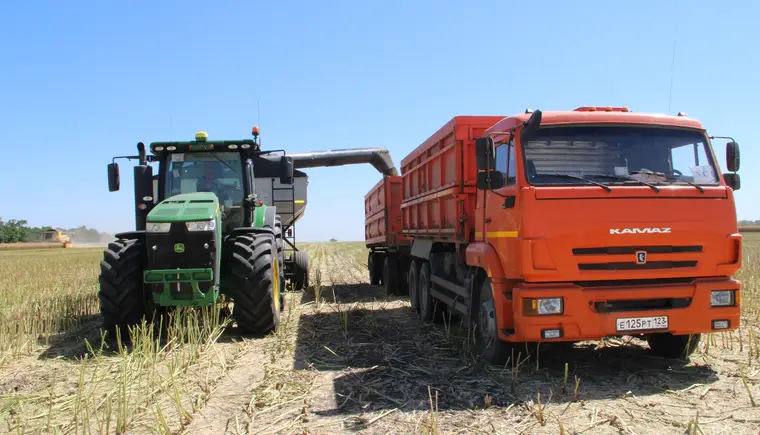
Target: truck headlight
[[158, 227], [201, 225], [722, 298], [542, 306]]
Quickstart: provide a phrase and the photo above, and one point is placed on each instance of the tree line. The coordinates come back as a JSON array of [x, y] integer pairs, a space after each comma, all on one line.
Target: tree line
[[746, 223], [19, 230]]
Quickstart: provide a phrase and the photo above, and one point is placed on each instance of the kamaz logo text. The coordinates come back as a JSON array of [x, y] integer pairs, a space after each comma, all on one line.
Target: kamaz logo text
[[639, 230]]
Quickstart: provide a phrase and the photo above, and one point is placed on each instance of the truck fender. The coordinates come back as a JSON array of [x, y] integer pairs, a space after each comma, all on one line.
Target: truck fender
[[483, 255]]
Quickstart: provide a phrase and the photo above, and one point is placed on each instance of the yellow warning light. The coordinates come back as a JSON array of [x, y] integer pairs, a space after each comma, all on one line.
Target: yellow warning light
[[201, 136]]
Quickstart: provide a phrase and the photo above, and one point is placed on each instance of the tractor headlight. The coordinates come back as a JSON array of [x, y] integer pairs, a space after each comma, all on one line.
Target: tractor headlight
[[158, 227], [201, 225]]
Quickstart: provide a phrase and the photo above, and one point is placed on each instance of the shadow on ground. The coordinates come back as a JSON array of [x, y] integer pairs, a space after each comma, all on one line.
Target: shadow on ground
[[387, 358], [350, 293]]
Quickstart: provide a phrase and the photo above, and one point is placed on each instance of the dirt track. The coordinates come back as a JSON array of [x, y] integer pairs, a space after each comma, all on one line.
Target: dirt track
[[357, 361]]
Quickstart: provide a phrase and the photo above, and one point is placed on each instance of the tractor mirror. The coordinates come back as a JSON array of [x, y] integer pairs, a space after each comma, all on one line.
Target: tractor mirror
[[485, 154], [286, 163], [732, 156], [733, 181], [490, 180], [113, 177]]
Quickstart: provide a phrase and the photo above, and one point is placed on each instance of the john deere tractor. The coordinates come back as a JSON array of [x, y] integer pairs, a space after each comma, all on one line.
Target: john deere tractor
[[217, 219]]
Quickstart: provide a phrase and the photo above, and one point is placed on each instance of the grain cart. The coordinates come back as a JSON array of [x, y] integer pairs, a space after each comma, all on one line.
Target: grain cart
[[217, 219], [565, 226]]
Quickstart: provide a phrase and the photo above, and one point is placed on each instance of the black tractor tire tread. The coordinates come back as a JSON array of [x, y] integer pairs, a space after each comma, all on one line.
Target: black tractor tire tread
[[121, 293], [251, 281], [300, 270]]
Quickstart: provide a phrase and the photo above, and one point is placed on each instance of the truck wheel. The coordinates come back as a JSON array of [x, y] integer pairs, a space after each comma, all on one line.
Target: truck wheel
[[403, 280], [390, 275], [300, 270], [411, 279], [672, 346], [487, 342], [429, 310], [121, 294], [374, 276], [254, 279]]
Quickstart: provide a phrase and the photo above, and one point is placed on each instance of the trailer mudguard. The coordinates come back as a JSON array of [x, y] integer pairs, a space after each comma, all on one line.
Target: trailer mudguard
[[484, 255]]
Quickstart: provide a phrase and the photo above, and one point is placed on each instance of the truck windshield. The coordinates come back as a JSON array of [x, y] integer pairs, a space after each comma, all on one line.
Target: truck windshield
[[219, 173], [618, 155]]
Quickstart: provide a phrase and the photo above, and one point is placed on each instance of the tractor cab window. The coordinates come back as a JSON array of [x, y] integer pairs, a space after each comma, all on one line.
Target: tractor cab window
[[219, 173]]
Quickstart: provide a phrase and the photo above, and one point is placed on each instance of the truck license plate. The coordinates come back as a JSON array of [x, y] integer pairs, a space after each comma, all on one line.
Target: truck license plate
[[642, 323]]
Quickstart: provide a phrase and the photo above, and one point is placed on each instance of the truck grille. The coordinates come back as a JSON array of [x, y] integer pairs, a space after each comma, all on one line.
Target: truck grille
[[623, 250], [641, 305], [631, 265]]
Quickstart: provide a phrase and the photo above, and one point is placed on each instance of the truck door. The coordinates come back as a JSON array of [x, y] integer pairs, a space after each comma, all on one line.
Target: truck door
[[501, 215]]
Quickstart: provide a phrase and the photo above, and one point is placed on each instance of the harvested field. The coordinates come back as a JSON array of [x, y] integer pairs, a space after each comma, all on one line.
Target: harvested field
[[347, 359]]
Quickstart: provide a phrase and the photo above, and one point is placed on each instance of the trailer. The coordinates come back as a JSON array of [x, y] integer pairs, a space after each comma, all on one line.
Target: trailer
[[564, 226]]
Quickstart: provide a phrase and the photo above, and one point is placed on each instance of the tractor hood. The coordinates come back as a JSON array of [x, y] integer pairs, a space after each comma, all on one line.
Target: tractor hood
[[185, 207]]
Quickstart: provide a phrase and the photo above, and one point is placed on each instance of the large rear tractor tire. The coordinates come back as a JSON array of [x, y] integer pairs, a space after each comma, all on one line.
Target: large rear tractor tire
[[122, 295], [300, 270], [673, 346], [254, 279]]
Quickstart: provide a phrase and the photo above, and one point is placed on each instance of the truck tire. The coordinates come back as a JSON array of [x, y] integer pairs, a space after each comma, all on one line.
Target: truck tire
[[428, 308], [300, 270], [390, 275], [672, 346], [372, 266], [121, 294], [255, 286], [412, 283], [488, 345], [403, 271]]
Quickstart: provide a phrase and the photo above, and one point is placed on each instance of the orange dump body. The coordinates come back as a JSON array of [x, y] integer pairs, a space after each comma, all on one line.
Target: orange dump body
[[439, 181], [382, 209]]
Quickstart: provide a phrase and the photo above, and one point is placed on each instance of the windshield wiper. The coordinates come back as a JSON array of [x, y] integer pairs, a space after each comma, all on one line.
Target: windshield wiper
[[575, 177], [670, 177], [621, 177]]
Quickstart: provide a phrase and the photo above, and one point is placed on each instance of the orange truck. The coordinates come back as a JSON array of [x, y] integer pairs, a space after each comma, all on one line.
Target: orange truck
[[564, 226]]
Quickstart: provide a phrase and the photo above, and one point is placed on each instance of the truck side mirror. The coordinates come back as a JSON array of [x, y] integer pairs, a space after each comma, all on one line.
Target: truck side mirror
[[485, 153], [286, 170], [733, 181], [490, 180], [732, 156], [531, 125], [113, 177]]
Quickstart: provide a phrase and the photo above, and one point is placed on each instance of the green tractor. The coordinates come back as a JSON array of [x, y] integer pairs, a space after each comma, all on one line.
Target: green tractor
[[217, 219]]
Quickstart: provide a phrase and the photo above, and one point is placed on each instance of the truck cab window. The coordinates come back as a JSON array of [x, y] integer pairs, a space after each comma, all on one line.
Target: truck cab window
[[691, 161], [505, 161], [501, 158]]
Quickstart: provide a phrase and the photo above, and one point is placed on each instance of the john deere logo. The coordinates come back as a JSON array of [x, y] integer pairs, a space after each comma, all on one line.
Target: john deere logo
[[179, 248]]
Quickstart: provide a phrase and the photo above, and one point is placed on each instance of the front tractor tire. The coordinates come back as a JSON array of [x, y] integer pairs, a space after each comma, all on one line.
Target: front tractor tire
[[254, 276], [122, 296]]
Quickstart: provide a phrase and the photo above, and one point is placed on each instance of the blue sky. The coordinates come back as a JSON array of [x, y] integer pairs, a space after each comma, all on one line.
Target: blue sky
[[84, 81]]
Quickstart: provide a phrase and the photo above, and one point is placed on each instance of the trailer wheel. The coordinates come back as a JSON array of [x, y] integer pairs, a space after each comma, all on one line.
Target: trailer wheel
[[390, 275], [411, 279], [487, 342], [672, 346], [430, 309], [300, 270], [121, 294], [254, 278], [372, 266]]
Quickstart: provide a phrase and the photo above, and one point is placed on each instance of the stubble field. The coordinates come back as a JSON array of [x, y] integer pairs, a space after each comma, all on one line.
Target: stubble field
[[346, 359]]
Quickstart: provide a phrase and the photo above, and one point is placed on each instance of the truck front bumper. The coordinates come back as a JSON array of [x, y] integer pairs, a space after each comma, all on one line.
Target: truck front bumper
[[182, 287], [592, 313]]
